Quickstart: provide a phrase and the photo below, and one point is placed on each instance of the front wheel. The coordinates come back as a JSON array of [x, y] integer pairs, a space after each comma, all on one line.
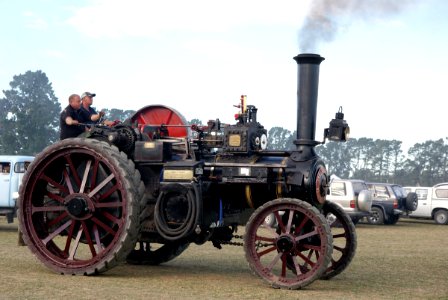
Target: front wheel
[[296, 251], [79, 206]]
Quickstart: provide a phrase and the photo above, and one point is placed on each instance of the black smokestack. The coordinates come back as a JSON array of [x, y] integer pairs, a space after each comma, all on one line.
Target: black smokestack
[[307, 88], [327, 17]]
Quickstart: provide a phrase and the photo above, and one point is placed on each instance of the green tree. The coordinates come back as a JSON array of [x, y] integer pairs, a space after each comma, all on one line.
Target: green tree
[[427, 163], [30, 115], [195, 122], [117, 114], [337, 158], [280, 139]]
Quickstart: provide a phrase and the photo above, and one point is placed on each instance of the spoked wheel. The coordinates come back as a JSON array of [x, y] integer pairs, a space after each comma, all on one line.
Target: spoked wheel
[[155, 254], [79, 206], [344, 239], [295, 252]]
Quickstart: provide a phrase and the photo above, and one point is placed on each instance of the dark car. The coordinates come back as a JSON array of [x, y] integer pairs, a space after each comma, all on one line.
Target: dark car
[[389, 202]]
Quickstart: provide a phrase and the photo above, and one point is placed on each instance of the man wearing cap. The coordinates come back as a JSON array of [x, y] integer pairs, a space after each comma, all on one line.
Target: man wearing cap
[[87, 113], [69, 119]]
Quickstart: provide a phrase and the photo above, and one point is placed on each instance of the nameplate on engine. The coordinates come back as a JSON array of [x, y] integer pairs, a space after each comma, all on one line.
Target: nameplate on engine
[[173, 174]]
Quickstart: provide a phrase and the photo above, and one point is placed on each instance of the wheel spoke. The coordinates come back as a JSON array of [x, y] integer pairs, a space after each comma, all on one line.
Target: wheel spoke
[[288, 226], [265, 239], [310, 254], [283, 273], [340, 249], [268, 250], [69, 237], [68, 182], [311, 247], [306, 259], [299, 228], [88, 238], [73, 169], [36, 209], [108, 204], [110, 217], [101, 185], [342, 235], [94, 173], [104, 226], [96, 234], [109, 192], [55, 197], [58, 219], [74, 248], [274, 261], [296, 265], [279, 221], [85, 176], [54, 183], [306, 235], [56, 232]]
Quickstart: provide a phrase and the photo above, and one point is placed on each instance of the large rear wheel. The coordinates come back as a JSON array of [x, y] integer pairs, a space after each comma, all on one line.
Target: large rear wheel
[[296, 251], [79, 206]]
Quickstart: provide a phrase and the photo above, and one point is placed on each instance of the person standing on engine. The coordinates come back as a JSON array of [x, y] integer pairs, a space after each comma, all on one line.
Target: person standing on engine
[[69, 121], [88, 113]]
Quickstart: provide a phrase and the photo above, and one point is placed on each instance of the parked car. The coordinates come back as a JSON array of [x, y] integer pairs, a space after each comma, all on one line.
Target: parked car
[[390, 201], [12, 168], [432, 202], [353, 196]]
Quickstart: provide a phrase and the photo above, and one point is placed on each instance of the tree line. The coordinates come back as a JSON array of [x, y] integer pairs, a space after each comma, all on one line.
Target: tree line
[[424, 164], [29, 121]]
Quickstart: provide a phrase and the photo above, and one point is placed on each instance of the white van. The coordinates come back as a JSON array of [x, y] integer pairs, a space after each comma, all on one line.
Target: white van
[[12, 168], [432, 202]]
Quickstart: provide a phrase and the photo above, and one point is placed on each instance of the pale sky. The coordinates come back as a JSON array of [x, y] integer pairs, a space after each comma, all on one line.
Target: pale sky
[[387, 71]]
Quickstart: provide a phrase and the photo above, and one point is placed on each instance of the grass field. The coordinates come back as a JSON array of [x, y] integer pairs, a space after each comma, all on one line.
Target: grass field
[[405, 261]]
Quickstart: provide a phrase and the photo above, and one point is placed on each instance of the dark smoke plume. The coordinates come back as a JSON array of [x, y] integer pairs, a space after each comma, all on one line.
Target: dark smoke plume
[[327, 16]]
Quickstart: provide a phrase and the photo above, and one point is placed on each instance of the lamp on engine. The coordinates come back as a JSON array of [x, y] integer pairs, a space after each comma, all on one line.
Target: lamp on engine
[[339, 129]]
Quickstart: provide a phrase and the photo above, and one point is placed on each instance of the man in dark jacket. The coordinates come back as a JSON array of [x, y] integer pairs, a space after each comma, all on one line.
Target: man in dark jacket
[[88, 114], [69, 119]]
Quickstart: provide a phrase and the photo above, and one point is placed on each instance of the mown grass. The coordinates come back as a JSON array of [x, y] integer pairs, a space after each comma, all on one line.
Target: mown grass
[[406, 261]]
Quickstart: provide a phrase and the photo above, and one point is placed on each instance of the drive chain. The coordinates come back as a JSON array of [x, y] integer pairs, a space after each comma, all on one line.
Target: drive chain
[[240, 237]]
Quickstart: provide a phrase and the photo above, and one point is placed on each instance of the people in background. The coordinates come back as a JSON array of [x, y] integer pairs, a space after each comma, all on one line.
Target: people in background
[[69, 120]]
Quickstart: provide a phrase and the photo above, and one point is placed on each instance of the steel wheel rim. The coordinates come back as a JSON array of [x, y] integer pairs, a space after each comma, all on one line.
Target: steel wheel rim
[[74, 208], [294, 253]]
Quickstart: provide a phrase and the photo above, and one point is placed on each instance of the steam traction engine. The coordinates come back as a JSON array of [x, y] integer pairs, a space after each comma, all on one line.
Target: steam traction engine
[[145, 189]]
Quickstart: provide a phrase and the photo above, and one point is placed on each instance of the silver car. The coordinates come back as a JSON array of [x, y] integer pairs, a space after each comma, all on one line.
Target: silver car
[[353, 196]]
